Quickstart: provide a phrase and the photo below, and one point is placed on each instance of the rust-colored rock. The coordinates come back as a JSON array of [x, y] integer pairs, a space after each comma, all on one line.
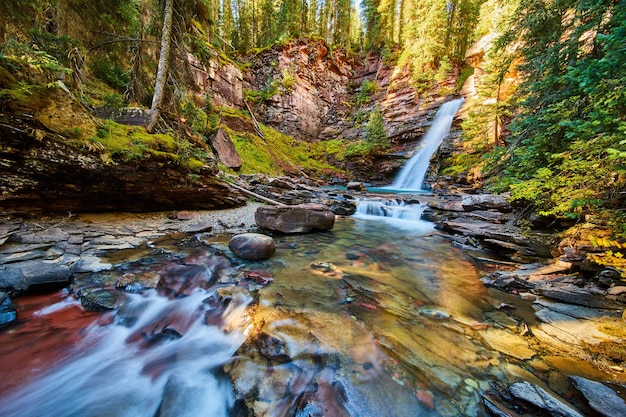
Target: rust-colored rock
[[225, 149], [295, 219]]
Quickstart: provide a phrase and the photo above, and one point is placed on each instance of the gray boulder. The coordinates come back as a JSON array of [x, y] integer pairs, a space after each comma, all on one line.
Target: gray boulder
[[23, 275], [295, 219], [252, 246], [355, 186], [471, 202]]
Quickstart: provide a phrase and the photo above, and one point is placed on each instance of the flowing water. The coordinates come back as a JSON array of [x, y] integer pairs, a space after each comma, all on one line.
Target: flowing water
[[369, 319], [412, 174]]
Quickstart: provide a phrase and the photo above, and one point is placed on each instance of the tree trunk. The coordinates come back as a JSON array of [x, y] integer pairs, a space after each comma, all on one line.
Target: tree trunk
[[161, 78]]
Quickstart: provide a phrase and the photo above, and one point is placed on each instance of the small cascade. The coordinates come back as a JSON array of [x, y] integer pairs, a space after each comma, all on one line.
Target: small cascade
[[395, 212], [156, 356], [412, 174]]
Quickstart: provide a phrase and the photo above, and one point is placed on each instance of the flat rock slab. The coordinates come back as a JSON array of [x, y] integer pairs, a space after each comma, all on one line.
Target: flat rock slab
[[540, 398], [570, 293], [23, 275], [578, 332], [577, 311], [601, 398], [301, 218], [508, 343]]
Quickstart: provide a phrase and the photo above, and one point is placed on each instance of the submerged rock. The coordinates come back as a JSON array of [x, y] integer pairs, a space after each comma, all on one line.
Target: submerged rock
[[100, 300], [252, 246], [295, 219]]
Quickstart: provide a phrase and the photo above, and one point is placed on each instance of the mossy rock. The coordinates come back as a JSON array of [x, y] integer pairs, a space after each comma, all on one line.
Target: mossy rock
[[7, 80], [52, 106], [63, 114]]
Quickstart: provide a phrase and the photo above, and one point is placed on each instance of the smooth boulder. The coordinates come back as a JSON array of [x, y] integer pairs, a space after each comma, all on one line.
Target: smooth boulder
[[300, 218], [252, 246]]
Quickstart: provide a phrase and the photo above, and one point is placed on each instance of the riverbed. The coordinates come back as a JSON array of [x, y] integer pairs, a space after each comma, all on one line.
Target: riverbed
[[366, 319]]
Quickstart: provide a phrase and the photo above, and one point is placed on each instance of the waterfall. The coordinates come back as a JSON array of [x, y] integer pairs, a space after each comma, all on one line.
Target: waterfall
[[411, 176]]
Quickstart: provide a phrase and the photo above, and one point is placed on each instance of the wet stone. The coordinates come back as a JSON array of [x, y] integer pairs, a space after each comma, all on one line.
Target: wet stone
[[295, 219], [272, 348], [252, 246], [8, 312], [23, 275], [540, 398], [601, 398], [100, 300], [508, 343]]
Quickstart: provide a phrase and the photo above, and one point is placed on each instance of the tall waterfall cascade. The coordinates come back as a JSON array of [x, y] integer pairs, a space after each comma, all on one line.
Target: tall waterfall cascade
[[411, 176], [397, 212]]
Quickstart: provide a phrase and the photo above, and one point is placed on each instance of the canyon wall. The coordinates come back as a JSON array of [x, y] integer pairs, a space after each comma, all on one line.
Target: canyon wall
[[307, 90]]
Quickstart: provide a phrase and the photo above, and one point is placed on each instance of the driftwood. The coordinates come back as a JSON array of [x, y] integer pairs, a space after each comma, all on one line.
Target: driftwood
[[257, 127], [255, 195]]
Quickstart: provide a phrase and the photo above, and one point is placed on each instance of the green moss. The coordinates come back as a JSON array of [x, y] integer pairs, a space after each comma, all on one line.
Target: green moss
[[279, 153], [26, 96], [7, 80], [127, 143], [461, 163]]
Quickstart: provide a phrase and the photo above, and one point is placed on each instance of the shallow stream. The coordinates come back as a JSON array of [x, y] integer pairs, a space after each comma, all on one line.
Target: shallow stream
[[369, 319]]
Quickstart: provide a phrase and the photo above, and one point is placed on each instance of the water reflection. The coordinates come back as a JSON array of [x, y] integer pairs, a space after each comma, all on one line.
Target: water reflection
[[364, 320]]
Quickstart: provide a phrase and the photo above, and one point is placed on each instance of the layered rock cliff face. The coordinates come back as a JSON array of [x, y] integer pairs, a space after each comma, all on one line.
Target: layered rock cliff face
[[312, 87], [303, 89], [306, 90], [46, 165]]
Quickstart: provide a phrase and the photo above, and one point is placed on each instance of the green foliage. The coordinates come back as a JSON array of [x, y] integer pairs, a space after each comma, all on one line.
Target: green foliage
[[435, 38], [272, 88], [110, 71], [288, 80], [376, 134], [567, 153], [199, 47], [375, 140], [201, 121], [269, 91], [128, 143], [367, 89], [113, 100], [35, 59]]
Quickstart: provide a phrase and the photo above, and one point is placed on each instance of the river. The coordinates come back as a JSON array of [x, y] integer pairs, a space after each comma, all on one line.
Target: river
[[369, 319]]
